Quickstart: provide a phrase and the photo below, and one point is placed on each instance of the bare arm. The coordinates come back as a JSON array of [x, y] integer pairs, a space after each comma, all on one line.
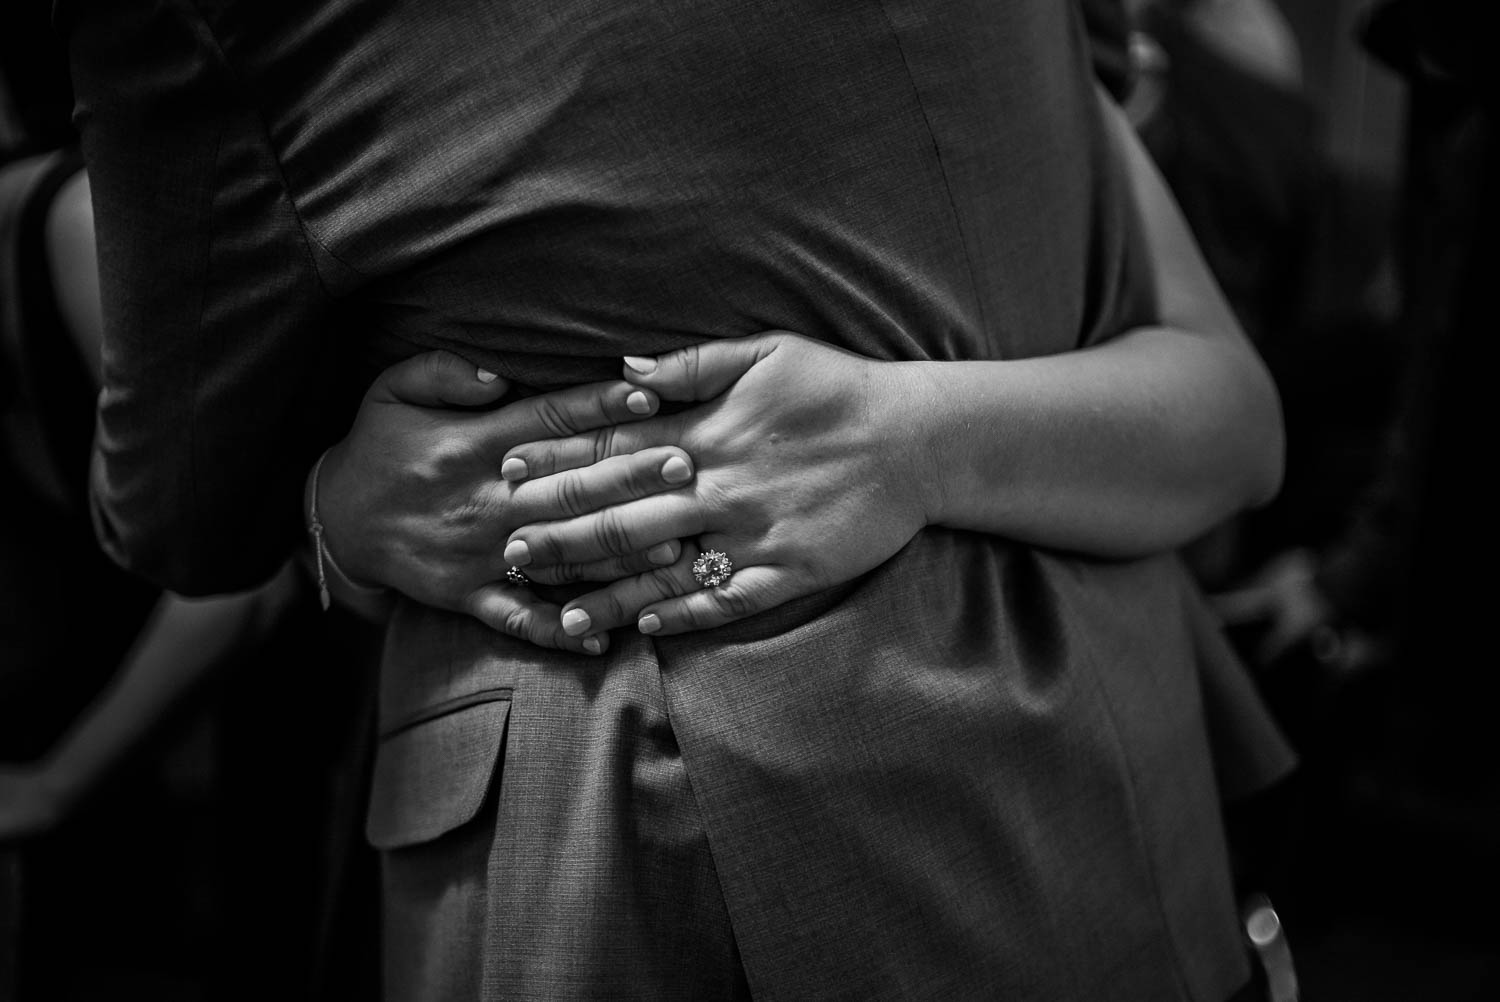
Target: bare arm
[[1130, 447], [72, 261]]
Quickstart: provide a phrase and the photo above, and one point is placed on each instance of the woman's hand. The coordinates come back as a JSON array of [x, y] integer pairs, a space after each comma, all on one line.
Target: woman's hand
[[416, 498], [816, 466], [808, 475]]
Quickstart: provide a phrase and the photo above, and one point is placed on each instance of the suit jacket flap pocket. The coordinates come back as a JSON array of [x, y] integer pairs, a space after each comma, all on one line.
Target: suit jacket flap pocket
[[432, 775]]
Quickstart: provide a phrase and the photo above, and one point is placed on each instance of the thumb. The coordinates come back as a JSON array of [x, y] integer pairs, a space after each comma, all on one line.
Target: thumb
[[701, 371], [439, 379]]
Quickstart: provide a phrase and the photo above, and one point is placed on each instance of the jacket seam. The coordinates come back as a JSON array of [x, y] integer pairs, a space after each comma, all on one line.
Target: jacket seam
[[1127, 771], [937, 153], [253, 109]]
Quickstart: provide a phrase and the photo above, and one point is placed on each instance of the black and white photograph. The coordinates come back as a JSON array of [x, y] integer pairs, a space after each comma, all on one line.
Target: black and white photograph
[[748, 500]]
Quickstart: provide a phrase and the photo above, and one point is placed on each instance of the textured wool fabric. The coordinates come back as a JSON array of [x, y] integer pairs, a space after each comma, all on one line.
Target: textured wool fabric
[[980, 771]]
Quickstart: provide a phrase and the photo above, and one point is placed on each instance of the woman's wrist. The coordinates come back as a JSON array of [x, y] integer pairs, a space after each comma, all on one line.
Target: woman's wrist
[[339, 573], [921, 439]]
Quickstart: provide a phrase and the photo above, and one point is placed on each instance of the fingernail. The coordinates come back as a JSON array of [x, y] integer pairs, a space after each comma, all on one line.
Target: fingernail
[[662, 553], [592, 645], [518, 553], [676, 470], [513, 469], [643, 364], [486, 376], [638, 403], [575, 621], [649, 623]]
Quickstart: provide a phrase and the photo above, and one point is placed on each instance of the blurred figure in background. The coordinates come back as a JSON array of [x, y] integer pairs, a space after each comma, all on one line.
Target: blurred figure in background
[[1353, 593], [1299, 245], [1215, 88], [1399, 574], [152, 839]]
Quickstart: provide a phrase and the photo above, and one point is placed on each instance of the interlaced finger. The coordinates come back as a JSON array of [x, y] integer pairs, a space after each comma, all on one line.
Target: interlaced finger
[[749, 590], [620, 603], [438, 379], [564, 413], [610, 569], [617, 531], [612, 481], [545, 456], [516, 612]]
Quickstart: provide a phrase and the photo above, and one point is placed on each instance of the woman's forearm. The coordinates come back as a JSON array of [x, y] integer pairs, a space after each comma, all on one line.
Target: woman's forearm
[[1132, 446]]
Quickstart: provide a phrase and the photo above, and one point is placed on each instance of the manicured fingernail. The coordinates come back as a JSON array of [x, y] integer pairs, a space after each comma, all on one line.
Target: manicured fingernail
[[486, 376], [662, 553], [649, 623], [592, 645], [575, 621], [643, 364], [513, 469], [676, 470], [638, 403], [518, 553]]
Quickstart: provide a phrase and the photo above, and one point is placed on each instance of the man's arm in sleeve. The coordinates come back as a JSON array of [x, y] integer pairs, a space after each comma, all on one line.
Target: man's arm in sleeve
[[214, 349]]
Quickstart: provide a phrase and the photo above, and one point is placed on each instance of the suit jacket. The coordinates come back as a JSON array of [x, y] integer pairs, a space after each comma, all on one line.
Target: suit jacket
[[979, 770]]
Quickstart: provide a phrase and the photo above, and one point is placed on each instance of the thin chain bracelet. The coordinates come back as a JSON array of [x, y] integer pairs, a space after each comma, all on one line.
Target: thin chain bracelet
[[314, 526]]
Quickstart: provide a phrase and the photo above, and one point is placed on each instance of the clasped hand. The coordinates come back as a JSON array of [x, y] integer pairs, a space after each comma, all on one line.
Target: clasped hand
[[798, 460]]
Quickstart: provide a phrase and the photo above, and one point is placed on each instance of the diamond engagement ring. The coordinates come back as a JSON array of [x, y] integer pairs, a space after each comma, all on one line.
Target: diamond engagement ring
[[712, 568], [515, 577]]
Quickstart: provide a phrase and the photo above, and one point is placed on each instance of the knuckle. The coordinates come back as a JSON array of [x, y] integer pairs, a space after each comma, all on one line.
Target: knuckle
[[553, 416], [570, 495], [734, 602], [477, 506], [447, 582], [568, 454], [616, 568], [619, 567], [692, 363], [694, 617], [545, 458], [517, 622], [603, 442], [432, 365], [592, 570], [444, 458], [475, 603], [612, 535], [668, 582]]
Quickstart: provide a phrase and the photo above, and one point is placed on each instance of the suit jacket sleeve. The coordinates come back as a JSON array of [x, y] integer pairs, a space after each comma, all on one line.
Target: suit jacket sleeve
[[214, 359]]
